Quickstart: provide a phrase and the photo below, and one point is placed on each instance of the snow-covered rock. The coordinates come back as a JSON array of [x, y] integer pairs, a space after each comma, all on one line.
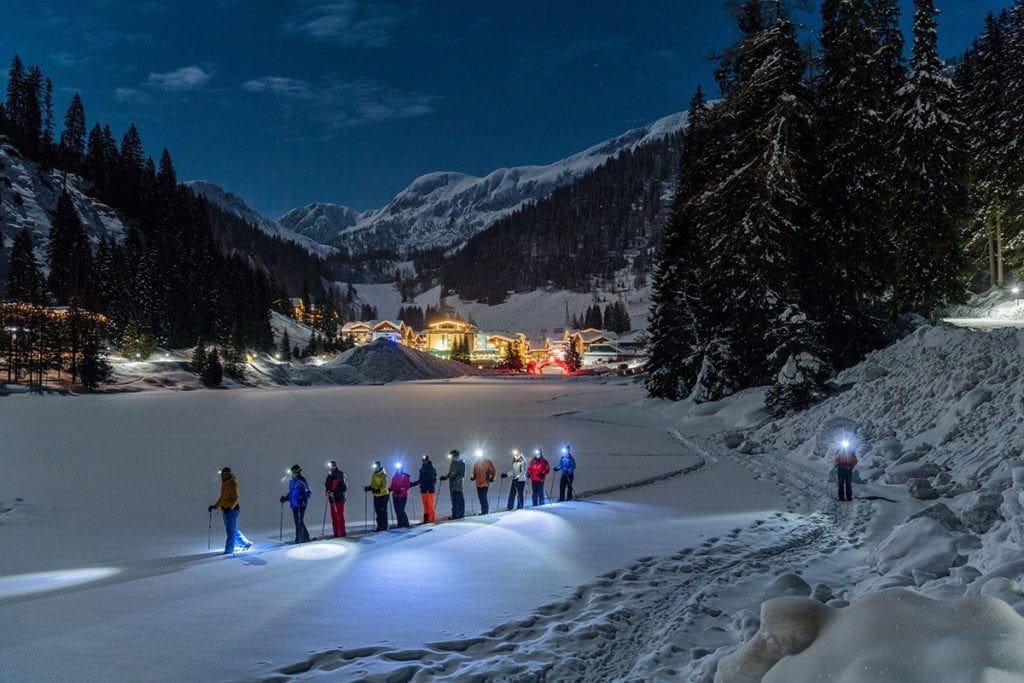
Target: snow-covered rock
[[901, 474], [981, 510], [787, 584], [921, 489], [941, 513], [921, 544]]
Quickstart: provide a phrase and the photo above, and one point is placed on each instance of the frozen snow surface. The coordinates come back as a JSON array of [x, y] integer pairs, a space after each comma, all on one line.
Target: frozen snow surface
[[706, 543]]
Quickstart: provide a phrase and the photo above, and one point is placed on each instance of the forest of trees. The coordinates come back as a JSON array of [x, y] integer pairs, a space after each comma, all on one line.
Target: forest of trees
[[812, 212], [171, 277]]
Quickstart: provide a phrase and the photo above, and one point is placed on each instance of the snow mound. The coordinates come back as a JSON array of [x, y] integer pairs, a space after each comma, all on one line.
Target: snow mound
[[894, 635], [385, 361]]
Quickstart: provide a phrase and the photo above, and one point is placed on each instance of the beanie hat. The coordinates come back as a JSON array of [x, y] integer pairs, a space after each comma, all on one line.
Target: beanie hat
[[334, 464], [454, 453], [296, 469], [378, 464], [225, 470], [425, 458]]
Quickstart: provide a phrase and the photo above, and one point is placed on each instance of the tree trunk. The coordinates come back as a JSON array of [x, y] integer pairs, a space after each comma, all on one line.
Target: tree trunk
[[991, 256], [999, 247]]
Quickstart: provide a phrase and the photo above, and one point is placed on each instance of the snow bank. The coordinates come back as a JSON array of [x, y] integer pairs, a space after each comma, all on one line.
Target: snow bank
[[385, 361], [894, 635]]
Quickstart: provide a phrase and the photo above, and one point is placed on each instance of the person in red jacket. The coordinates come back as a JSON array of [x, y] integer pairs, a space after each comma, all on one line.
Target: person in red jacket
[[335, 487], [845, 461], [400, 494], [537, 472]]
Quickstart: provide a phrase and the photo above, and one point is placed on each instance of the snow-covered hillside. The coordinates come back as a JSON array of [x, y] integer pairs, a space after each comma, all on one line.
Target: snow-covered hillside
[[445, 208], [320, 222], [28, 198], [232, 203]]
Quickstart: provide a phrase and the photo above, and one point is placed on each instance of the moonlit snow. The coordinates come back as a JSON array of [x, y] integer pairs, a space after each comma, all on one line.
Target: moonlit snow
[[706, 544]]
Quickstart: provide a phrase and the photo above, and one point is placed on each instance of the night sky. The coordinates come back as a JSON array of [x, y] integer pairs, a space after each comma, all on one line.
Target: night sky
[[287, 103]]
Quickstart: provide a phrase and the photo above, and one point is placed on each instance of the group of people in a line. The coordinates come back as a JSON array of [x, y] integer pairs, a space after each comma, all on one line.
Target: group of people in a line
[[397, 491]]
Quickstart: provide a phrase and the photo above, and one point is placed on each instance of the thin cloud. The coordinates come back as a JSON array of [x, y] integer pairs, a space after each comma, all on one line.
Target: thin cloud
[[185, 79], [335, 104], [280, 86], [348, 22], [131, 96]]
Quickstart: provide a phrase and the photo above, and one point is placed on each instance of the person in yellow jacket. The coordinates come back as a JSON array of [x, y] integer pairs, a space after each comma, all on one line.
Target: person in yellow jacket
[[228, 503], [379, 487]]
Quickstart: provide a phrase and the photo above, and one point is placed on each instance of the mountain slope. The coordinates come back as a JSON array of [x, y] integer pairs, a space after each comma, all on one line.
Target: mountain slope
[[232, 203], [445, 208], [28, 197]]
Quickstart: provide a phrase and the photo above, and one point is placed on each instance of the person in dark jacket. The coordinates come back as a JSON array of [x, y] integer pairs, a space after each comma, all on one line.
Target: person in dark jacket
[[844, 462], [298, 497], [335, 487], [228, 504], [567, 466], [427, 481], [379, 487], [456, 473], [400, 495], [538, 471], [518, 474]]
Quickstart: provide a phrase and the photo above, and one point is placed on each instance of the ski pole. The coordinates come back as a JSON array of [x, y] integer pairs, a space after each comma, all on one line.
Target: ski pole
[[323, 527], [551, 487], [209, 532], [500, 482], [366, 517], [472, 503], [280, 530]]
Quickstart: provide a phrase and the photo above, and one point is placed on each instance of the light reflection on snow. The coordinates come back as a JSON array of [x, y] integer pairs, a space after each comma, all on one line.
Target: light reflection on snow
[[317, 551], [26, 584]]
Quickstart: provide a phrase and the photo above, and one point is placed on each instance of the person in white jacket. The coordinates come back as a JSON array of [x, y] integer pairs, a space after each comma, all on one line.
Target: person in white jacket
[[518, 475]]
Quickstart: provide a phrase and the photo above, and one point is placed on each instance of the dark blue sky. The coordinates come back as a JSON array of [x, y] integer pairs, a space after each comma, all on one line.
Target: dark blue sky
[[347, 101]]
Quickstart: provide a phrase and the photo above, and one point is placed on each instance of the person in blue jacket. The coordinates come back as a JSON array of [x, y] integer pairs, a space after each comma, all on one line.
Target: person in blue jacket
[[567, 466], [298, 497]]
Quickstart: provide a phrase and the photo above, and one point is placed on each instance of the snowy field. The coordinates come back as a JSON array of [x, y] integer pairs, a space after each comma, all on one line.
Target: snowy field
[[658, 573]]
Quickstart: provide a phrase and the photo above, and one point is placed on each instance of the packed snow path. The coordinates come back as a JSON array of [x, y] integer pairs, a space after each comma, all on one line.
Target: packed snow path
[[681, 538]]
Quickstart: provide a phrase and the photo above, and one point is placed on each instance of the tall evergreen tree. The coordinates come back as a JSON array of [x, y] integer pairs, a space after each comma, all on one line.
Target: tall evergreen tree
[[69, 255], [931, 196], [25, 282], [754, 218], [71, 148], [673, 322]]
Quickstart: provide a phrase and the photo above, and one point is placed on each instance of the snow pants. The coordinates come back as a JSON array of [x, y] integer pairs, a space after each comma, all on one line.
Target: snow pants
[[845, 479], [338, 519], [516, 492], [380, 510], [538, 492], [301, 532], [235, 537], [485, 503], [428, 506], [458, 505], [565, 487], [403, 519]]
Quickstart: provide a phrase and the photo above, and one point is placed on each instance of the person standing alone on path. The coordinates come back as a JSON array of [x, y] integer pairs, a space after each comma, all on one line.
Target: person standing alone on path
[[483, 474], [845, 461], [518, 474], [427, 481], [567, 465], [538, 471], [400, 495], [298, 497], [335, 487], [228, 503], [456, 473], [379, 487]]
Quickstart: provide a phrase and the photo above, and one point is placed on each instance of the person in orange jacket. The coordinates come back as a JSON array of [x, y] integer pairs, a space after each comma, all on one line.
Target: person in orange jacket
[[537, 472], [844, 462], [228, 503], [484, 473]]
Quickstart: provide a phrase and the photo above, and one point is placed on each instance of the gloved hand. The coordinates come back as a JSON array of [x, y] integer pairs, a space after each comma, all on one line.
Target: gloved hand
[[367, 488], [473, 478], [504, 475], [444, 477], [284, 498], [556, 469], [490, 480], [211, 508]]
